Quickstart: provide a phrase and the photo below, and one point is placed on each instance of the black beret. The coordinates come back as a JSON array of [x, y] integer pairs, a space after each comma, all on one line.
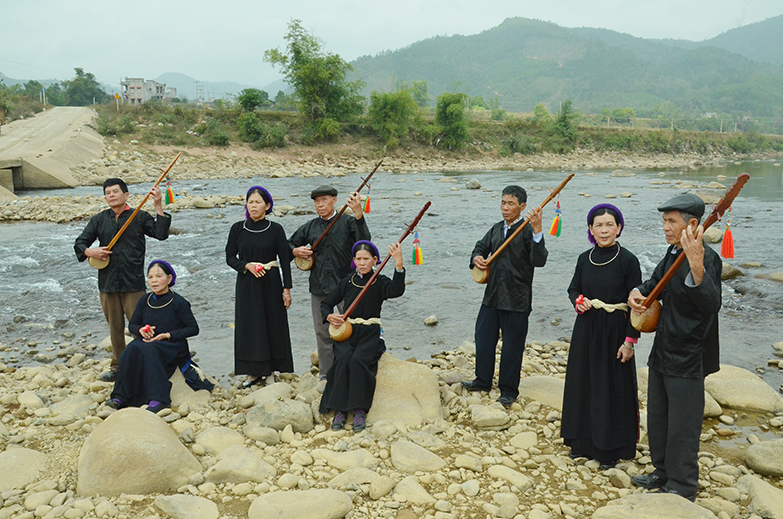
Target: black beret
[[685, 202], [325, 189]]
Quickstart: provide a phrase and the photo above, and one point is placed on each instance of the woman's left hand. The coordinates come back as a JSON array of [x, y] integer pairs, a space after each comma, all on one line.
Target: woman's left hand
[[287, 298], [624, 353], [166, 336]]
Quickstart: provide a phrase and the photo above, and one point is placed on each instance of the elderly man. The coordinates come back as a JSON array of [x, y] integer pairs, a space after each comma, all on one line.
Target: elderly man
[[685, 349], [332, 259], [507, 299], [121, 283]]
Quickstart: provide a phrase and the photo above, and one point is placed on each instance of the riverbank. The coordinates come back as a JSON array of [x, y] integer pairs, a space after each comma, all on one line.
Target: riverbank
[[463, 457]]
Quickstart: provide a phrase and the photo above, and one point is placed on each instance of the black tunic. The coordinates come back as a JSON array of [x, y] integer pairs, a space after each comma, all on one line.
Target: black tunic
[[332, 257], [145, 367], [686, 341], [125, 271], [510, 281], [350, 382], [600, 406], [262, 342]]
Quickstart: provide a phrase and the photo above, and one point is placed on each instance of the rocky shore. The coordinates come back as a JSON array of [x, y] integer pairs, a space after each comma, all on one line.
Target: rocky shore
[[431, 450], [137, 164]]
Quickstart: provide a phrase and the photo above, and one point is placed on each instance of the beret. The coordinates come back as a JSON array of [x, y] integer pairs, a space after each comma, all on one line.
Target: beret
[[325, 189], [597, 208], [686, 202]]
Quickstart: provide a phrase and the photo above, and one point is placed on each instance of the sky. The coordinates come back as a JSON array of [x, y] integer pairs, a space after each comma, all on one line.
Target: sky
[[225, 40]]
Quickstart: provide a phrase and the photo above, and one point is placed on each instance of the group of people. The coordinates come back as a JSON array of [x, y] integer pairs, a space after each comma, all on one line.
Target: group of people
[[600, 418]]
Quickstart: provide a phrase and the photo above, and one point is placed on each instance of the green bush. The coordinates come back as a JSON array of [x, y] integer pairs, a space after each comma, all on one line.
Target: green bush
[[450, 115], [392, 115]]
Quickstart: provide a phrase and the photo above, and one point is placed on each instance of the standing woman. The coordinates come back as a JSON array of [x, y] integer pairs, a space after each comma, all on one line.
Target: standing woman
[[258, 250], [600, 407], [162, 322], [350, 382]]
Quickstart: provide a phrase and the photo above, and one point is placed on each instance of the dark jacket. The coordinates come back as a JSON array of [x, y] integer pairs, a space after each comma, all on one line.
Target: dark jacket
[[125, 272], [510, 282], [686, 339], [333, 255]]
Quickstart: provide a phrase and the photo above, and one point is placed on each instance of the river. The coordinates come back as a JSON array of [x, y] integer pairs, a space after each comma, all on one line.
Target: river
[[52, 300]]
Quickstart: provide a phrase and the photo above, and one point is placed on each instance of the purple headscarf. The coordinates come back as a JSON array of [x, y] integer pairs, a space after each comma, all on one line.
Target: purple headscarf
[[591, 212], [264, 194], [165, 267], [371, 245]]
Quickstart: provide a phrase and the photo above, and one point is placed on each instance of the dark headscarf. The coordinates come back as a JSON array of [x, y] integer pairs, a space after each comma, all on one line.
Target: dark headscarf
[[591, 212], [165, 267], [264, 194], [369, 244]]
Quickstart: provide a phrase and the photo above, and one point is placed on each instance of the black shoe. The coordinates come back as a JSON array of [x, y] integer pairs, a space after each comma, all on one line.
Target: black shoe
[[108, 376], [471, 385], [252, 382], [114, 403], [574, 455], [669, 490], [648, 481], [506, 400], [607, 465]]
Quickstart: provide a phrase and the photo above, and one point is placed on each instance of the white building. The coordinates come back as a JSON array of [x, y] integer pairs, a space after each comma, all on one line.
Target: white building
[[136, 90]]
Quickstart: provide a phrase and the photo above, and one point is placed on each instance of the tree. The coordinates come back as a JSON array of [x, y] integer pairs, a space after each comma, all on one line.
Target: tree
[[251, 98], [450, 115], [325, 96], [284, 101], [392, 114], [478, 103], [33, 88], [541, 115], [83, 90]]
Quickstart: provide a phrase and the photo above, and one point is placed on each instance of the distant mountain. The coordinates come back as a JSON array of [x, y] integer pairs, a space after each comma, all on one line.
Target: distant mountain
[[188, 87], [760, 41], [524, 62], [8, 81]]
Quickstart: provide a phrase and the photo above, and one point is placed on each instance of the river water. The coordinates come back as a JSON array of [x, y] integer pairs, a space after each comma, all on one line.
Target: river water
[[52, 300]]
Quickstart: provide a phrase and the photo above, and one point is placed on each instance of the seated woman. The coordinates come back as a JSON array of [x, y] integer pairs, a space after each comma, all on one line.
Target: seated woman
[[162, 322], [350, 382]]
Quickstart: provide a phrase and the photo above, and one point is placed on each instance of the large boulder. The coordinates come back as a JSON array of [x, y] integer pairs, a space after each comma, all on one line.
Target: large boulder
[[408, 457], [297, 504], [181, 393], [69, 410], [652, 506], [217, 439], [711, 408], [765, 499], [766, 458], [276, 414], [405, 392], [738, 388], [133, 452], [239, 464], [19, 467], [547, 390]]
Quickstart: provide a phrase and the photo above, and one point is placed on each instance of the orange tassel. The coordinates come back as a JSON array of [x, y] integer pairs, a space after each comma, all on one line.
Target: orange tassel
[[727, 247]]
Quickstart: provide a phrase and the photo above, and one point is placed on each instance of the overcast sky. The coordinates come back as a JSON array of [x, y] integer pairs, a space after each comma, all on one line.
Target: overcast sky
[[225, 40]]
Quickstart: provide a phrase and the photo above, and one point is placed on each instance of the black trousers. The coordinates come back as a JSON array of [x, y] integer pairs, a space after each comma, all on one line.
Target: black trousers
[[675, 412], [513, 325]]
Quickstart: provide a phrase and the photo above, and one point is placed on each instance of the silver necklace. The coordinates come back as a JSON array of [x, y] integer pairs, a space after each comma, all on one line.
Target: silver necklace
[[590, 256], [268, 225], [149, 302]]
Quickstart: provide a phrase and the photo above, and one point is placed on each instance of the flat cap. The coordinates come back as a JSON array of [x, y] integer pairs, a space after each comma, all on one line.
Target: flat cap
[[325, 189], [686, 202]]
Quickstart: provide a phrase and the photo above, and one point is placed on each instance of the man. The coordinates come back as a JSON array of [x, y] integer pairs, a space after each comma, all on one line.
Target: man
[[507, 298], [332, 259], [121, 283], [685, 349]]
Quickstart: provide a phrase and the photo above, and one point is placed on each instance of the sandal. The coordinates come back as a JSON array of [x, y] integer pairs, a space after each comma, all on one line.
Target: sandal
[[359, 420], [338, 422]]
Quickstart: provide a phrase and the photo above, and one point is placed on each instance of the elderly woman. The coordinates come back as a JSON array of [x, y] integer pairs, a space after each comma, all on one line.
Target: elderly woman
[[600, 407], [258, 250], [162, 323]]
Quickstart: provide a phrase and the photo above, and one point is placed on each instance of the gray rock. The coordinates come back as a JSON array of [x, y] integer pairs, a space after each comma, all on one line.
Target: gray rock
[[298, 504], [431, 320], [413, 491], [516, 478], [383, 429], [713, 235], [19, 467], [766, 500], [133, 452], [405, 392], [488, 417], [217, 439], [187, 507], [261, 434], [547, 390], [69, 410], [182, 394], [279, 413], [717, 505], [272, 393], [359, 458], [652, 506], [766, 457], [358, 476], [463, 461], [473, 184], [730, 272], [524, 440], [426, 440], [36, 499], [238, 464], [409, 457], [382, 486], [740, 389], [30, 400]]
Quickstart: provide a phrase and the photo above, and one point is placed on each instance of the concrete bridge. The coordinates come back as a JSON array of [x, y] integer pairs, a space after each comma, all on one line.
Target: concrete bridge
[[39, 152]]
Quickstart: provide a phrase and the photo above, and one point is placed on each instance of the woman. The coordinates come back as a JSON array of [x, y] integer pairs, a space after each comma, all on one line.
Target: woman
[[600, 406], [162, 322], [258, 250], [350, 382]]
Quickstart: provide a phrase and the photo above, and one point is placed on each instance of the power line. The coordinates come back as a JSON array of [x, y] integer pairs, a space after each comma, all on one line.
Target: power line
[[32, 67]]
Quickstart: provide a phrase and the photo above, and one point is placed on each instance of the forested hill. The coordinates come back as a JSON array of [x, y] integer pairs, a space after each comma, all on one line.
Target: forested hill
[[524, 62]]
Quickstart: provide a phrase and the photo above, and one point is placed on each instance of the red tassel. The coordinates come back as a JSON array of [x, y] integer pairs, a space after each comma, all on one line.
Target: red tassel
[[727, 247]]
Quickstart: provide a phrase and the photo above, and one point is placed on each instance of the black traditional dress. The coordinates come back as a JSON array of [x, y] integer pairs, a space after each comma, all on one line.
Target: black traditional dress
[[600, 406], [145, 367], [262, 343], [350, 382]]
